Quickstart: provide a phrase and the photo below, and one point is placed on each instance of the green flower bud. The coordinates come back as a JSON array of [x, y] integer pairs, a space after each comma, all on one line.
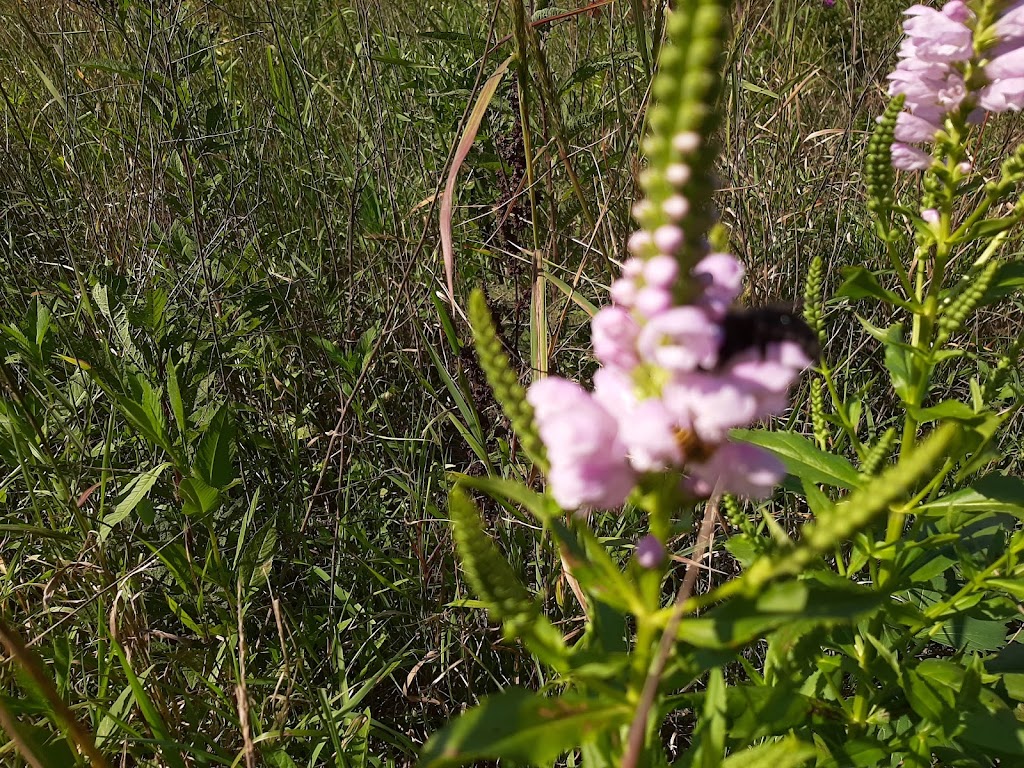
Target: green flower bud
[[503, 379], [963, 306], [878, 453], [878, 170]]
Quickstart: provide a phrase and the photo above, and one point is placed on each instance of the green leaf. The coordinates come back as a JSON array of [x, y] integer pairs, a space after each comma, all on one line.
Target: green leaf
[[932, 689], [787, 753], [898, 363], [541, 506], [136, 490], [522, 726], [141, 408], [992, 493], [213, 462], [971, 634], [803, 458], [952, 410], [710, 736], [987, 228], [258, 557], [148, 708], [174, 395], [744, 619], [594, 569], [858, 753], [197, 498], [43, 744], [1009, 279], [999, 731], [861, 283], [581, 301]]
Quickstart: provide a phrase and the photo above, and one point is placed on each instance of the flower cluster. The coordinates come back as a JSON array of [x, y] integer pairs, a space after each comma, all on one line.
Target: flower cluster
[[948, 65], [672, 383]]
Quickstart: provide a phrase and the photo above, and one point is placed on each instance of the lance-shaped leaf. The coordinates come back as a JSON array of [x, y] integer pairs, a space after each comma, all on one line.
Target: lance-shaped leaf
[[523, 727]]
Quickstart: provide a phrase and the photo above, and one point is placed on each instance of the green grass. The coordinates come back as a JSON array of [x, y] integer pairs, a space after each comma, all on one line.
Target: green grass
[[237, 203]]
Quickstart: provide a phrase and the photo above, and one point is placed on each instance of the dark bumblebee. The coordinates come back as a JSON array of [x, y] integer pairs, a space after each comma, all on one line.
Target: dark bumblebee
[[757, 328]]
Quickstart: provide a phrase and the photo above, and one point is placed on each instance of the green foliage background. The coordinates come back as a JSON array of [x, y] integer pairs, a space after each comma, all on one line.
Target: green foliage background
[[230, 391]]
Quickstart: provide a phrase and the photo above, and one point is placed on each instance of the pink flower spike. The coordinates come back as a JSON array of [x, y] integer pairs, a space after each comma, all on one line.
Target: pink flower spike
[[633, 268], [661, 271], [650, 553], [650, 437], [589, 468], [676, 207], [668, 238], [680, 339], [624, 292], [613, 333], [911, 128], [738, 468], [1003, 96], [640, 245], [677, 174], [642, 209], [908, 158], [686, 142], [930, 215]]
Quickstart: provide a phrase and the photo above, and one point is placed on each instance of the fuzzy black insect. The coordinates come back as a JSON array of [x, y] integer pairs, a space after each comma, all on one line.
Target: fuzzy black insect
[[757, 328]]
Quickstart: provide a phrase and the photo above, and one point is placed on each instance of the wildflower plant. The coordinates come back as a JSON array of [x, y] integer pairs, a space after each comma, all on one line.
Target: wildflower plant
[[880, 632]]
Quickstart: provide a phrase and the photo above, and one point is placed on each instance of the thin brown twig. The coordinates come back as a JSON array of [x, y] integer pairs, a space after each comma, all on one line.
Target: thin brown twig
[[638, 728], [242, 688]]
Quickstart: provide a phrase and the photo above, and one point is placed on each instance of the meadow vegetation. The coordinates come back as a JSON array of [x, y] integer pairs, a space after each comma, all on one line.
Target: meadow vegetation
[[231, 385]]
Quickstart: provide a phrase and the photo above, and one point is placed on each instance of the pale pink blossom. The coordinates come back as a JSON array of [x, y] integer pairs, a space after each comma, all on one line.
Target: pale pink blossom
[[914, 129], [710, 405], [624, 291], [908, 158], [649, 435], [652, 300], [1003, 96], [613, 333], [676, 207], [738, 468], [588, 464], [938, 36], [668, 238], [661, 271], [720, 276], [650, 553], [680, 339]]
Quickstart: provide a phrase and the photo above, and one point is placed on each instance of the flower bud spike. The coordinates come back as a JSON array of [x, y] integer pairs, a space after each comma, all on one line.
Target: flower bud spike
[[678, 182], [963, 306], [878, 170], [878, 453], [503, 379]]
